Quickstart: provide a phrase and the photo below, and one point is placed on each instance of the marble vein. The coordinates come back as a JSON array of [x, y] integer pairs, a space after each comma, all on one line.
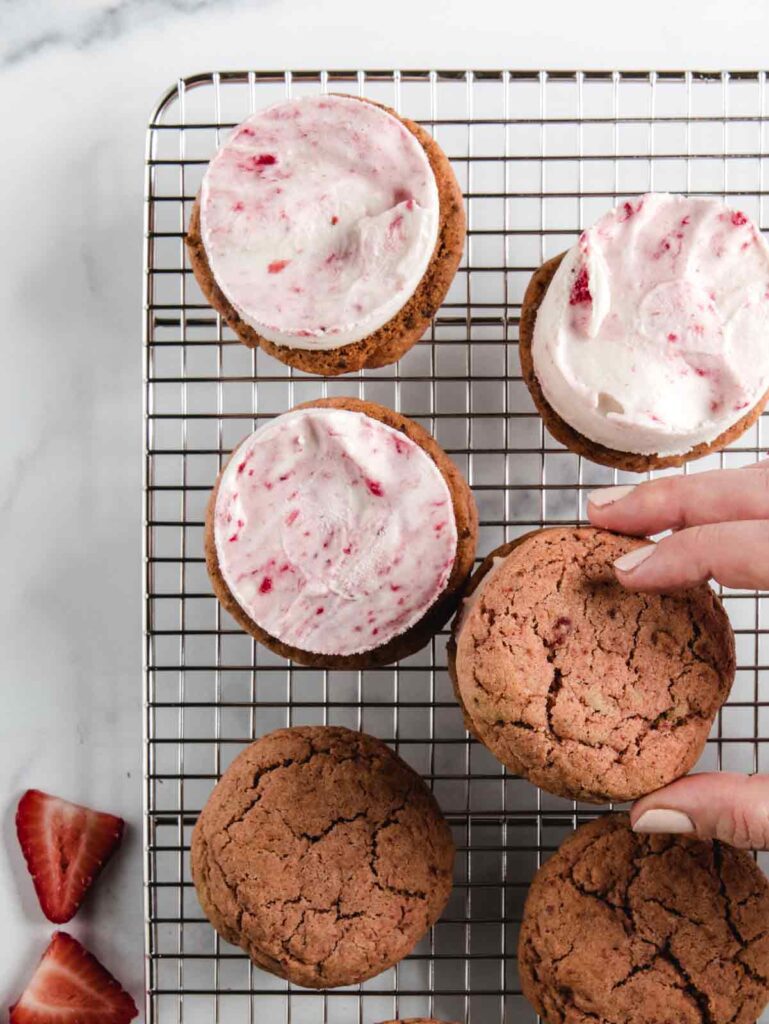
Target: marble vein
[[22, 35]]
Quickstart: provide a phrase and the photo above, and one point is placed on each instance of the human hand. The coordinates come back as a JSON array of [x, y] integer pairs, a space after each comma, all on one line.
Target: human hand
[[720, 521]]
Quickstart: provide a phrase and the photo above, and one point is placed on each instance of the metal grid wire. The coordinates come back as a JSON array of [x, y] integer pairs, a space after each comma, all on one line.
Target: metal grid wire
[[539, 155]]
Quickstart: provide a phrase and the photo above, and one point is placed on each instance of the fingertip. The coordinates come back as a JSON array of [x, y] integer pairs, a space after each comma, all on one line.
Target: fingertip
[[727, 806], [662, 820], [605, 496], [601, 516], [601, 505], [628, 563], [595, 518]]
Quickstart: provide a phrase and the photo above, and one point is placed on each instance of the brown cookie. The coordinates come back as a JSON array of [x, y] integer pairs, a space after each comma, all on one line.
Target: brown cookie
[[575, 441], [588, 690], [418, 635], [323, 855], [391, 341], [628, 929]]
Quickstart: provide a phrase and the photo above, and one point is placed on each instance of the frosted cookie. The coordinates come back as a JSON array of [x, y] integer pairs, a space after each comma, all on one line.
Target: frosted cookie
[[630, 929], [339, 534], [647, 343], [588, 690], [328, 230], [323, 855]]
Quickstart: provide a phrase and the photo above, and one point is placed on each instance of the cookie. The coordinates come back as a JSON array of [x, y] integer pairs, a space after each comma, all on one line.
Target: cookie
[[588, 690], [629, 929], [364, 571], [640, 352], [333, 323], [323, 855]]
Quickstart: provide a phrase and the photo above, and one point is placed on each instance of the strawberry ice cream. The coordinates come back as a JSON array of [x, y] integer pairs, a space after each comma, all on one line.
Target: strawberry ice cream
[[319, 218], [333, 531], [653, 335]]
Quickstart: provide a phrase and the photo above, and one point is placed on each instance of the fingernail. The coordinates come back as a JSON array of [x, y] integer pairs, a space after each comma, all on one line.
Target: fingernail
[[662, 820], [608, 495], [630, 561]]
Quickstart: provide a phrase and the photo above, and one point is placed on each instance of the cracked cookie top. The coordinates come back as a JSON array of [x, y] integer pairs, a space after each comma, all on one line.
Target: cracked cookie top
[[588, 690], [323, 855], [628, 929]]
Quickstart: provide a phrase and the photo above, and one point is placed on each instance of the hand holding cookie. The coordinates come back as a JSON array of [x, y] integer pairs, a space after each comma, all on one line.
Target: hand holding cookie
[[720, 523]]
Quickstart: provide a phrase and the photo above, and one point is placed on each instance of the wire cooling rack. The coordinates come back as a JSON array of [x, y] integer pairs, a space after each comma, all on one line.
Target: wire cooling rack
[[539, 155]]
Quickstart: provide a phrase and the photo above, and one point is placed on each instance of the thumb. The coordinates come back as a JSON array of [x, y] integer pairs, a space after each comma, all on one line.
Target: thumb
[[713, 805]]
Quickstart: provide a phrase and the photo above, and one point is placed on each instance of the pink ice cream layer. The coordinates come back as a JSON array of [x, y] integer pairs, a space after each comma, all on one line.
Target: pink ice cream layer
[[319, 218], [653, 336], [334, 532]]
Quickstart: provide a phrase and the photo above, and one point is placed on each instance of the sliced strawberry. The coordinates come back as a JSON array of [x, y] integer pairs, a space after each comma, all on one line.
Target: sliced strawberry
[[65, 846], [70, 986]]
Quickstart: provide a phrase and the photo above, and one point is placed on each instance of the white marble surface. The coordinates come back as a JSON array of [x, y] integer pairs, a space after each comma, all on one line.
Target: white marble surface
[[77, 82]]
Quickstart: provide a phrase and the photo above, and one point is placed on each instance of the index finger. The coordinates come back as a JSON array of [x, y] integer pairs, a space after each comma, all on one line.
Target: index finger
[[676, 502]]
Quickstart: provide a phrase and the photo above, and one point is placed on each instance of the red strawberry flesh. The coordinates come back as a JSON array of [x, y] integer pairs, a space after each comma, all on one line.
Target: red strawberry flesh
[[65, 847], [70, 986]]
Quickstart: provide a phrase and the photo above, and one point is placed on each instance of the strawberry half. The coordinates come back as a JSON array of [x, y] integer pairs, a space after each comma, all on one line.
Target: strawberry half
[[65, 846], [70, 985]]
